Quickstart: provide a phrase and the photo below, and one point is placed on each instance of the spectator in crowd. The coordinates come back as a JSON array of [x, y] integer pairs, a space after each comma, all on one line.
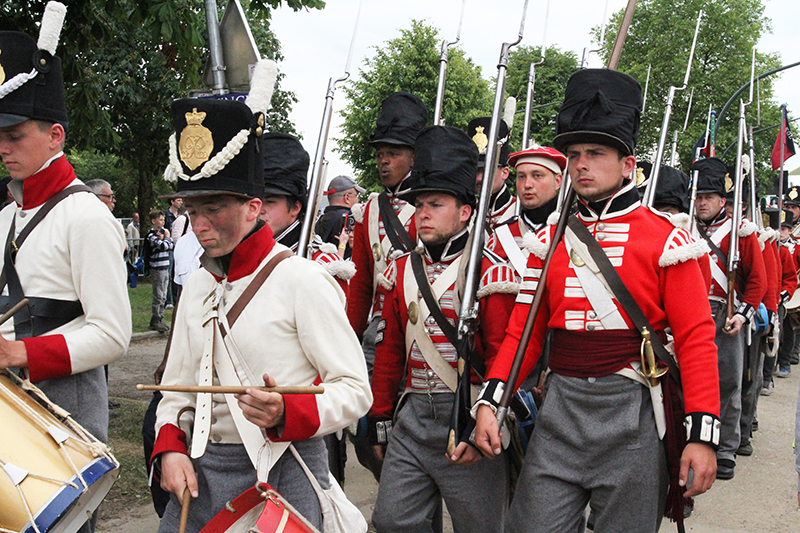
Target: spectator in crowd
[[133, 234], [342, 194], [159, 244], [102, 189]]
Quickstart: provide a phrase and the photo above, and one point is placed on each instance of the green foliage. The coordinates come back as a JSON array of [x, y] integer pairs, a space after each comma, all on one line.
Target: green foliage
[[125, 61], [661, 36], [408, 63], [551, 78]]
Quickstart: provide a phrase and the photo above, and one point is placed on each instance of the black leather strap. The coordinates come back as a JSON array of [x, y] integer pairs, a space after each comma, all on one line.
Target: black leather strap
[[41, 315], [395, 231], [421, 276], [623, 295], [714, 248]]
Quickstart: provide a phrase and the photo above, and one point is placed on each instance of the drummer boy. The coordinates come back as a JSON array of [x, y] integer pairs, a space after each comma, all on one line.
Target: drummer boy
[[291, 331]]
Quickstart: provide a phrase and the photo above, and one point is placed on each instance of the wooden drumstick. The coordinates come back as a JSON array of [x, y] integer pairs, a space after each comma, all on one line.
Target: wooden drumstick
[[221, 389], [14, 310], [187, 498]]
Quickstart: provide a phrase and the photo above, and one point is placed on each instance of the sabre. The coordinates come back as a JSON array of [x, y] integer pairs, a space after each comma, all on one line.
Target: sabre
[[469, 309], [317, 170], [437, 112], [233, 389], [650, 191], [569, 198]]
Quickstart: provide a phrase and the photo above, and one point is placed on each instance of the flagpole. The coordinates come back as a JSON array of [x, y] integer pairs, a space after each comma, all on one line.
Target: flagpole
[[780, 172]]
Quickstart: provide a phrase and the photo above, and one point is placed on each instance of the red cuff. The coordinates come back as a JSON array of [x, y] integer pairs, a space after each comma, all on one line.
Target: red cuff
[[170, 438], [302, 419], [48, 357]]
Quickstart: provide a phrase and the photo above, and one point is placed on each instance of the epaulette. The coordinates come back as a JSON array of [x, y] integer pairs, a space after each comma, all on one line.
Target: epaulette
[[533, 243], [358, 212], [681, 247], [747, 228], [327, 248], [336, 266], [389, 276], [766, 234], [499, 278]]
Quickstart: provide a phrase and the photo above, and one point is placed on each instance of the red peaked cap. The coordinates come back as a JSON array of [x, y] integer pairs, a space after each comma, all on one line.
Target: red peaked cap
[[544, 154]]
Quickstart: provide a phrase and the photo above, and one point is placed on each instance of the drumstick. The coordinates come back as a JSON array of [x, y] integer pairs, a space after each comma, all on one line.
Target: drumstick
[[14, 310], [221, 389], [187, 498]]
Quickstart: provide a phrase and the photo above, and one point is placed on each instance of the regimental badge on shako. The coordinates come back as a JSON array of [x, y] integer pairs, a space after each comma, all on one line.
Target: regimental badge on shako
[[793, 193], [480, 139], [2, 72], [639, 176], [196, 142], [728, 183]]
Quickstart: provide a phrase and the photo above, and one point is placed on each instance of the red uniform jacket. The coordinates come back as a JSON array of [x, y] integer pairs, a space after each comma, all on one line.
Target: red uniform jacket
[[394, 359], [362, 297], [658, 264]]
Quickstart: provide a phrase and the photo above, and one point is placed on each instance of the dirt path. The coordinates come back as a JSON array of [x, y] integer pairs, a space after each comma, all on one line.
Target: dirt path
[[761, 498]]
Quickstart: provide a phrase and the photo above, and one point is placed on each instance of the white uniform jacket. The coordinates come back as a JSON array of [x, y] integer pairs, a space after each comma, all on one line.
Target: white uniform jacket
[[294, 329]]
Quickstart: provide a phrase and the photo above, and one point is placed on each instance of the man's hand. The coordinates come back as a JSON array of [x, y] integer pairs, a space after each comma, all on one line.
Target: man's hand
[[264, 409], [464, 455], [702, 459], [733, 325], [380, 451], [177, 473], [487, 433], [13, 353]]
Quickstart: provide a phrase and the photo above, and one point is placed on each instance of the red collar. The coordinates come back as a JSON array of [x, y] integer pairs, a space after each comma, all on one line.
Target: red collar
[[250, 253], [40, 187]]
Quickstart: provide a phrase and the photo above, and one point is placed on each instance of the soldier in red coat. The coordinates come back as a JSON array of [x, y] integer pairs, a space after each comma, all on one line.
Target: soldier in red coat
[[539, 172], [597, 436], [415, 358], [714, 226]]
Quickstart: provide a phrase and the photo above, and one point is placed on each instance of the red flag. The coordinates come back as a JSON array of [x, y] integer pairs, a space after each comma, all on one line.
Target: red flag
[[785, 140]]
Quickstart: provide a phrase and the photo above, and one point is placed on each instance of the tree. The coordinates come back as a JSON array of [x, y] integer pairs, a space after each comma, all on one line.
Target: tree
[[551, 78], [408, 63], [125, 61], [660, 36]]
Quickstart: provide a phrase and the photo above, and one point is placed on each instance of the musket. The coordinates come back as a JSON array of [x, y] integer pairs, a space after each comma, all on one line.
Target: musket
[[646, 87], [469, 308], [317, 170], [569, 198], [783, 145], [736, 216], [696, 174], [601, 42], [437, 112], [673, 158], [650, 191], [526, 125]]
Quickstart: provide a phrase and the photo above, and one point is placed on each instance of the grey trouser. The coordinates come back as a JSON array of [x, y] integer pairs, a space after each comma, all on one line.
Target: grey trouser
[[416, 473], [368, 343], [751, 386], [730, 352], [595, 442], [160, 280], [225, 471]]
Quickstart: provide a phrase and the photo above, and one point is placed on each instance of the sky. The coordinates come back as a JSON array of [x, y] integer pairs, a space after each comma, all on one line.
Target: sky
[[315, 44]]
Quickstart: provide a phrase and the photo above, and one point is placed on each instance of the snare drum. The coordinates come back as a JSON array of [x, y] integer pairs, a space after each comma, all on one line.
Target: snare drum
[[55, 472], [259, 509]]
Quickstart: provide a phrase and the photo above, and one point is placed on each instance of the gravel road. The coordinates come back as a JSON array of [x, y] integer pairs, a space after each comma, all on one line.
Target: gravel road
[[761, 498]]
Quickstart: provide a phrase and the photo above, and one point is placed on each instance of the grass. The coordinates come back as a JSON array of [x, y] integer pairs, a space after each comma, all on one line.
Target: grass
[[125, 439], [141, 306]]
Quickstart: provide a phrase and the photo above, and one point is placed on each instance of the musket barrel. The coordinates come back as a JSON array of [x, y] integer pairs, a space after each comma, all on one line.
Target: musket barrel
[[215, 47]]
